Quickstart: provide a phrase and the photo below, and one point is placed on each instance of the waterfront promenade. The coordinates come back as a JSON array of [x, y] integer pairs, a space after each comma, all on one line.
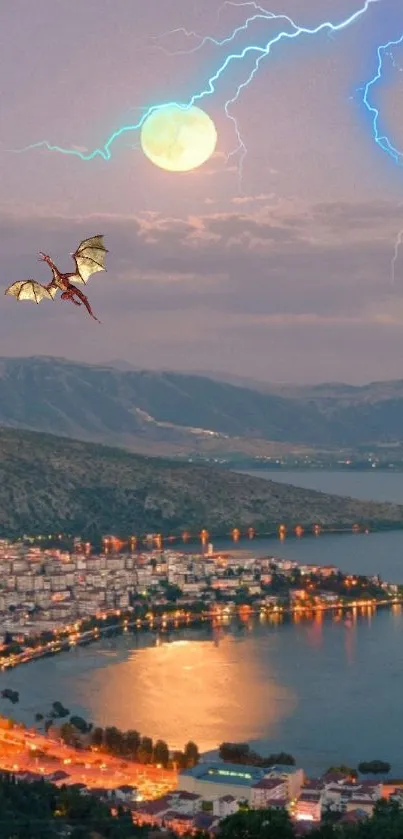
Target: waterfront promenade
[[122, 622]]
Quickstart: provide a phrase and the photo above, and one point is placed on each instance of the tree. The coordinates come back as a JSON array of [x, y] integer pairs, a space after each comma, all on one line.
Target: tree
[[179, 759], [374, 767], [172, 592], [145, 750], [257, 824], [192, 755], [342, 770], [234, 752], [80, 724], [97, 737], [59, 710], [281, 758], [132, 743], [69, 734], [161, 753], [12, 695], [384, 808], [242, 753], [113, 740]]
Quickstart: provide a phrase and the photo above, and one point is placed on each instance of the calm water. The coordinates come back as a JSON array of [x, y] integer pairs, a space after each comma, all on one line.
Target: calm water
[[326, 691], [368, 486]]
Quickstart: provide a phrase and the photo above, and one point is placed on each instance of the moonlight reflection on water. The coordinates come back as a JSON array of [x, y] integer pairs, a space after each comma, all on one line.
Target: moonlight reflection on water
[[175, 689], [326, 690]]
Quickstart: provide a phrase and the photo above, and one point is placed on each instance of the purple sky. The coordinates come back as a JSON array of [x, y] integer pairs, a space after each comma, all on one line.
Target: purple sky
[[284, 277]]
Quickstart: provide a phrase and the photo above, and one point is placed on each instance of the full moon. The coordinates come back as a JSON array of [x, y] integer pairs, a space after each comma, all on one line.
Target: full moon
[[178, 140]]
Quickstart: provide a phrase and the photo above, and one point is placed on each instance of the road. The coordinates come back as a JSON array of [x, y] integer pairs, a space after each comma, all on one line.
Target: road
[[19, 752]]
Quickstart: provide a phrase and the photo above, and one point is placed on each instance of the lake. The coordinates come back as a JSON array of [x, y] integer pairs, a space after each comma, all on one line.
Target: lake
[[367, 486], [328, 691]]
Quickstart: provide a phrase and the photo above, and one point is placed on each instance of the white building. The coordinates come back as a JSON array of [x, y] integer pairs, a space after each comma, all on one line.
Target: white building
[[225, 806], [267, 791]]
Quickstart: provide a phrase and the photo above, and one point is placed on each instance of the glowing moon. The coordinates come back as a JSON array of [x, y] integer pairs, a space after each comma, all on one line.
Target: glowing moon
[[177, 139]]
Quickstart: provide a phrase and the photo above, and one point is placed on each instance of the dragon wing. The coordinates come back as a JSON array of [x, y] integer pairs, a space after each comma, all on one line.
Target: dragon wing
[[89, 257], [29, 290], [53, 288]]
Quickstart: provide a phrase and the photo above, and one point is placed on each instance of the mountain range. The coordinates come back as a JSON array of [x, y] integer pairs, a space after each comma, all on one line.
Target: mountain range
[[51, 485], [168, 413]]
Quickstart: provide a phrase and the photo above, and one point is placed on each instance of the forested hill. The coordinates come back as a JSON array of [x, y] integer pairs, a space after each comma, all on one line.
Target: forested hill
[[53, 484]]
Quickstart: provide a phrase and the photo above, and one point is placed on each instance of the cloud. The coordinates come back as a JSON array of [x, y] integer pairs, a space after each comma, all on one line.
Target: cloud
[[253, 199], [280, 273], [339, 216]]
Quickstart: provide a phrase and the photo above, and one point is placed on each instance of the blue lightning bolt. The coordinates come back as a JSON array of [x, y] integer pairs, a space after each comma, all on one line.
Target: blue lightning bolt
[[381, 139], [264, 14], [262, 52]]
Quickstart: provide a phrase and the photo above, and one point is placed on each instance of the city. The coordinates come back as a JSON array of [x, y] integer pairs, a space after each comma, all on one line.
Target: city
[[202, 797], [53, 599]]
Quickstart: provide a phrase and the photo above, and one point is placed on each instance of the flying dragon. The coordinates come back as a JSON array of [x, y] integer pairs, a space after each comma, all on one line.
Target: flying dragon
[[89, 258]]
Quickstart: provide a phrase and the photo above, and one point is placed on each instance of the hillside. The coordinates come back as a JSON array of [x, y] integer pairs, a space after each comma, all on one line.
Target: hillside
[[173, 413], [51, 484], [138, 407]]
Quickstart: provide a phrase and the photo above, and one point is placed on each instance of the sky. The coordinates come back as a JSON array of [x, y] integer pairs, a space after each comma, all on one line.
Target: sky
[[274, 264]]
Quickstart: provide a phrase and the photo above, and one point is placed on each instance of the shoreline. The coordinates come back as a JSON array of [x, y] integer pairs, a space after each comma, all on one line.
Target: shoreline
[[143, 544], [313, 763], [167, 623]]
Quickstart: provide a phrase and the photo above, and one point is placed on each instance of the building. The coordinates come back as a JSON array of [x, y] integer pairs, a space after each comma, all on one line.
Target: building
[[267, 792], [309, 806], [126, 793], [215, 780], [225, 806], [293, 777], [186, 802], [347, 796], [362, 803]]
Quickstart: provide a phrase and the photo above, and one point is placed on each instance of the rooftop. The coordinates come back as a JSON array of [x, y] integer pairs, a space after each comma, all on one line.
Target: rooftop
[[186, 796], [203, 821], [269, 783], [152, 808], [175, 815], [312, 785], [281, 769], [225, 773]]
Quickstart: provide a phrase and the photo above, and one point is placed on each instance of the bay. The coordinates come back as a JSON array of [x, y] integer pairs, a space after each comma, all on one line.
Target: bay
[[328, 690]]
